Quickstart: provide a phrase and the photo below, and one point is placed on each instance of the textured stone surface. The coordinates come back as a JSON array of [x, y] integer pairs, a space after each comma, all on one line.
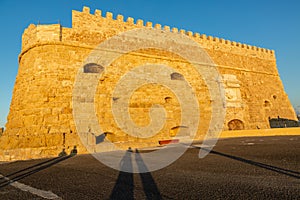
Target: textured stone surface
[[41, 123]]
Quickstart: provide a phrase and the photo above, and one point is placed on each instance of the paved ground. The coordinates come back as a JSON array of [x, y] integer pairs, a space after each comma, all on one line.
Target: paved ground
[[239, 168]]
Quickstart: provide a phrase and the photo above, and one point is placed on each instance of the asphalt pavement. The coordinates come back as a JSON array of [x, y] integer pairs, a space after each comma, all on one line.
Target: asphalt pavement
[[238, 168]]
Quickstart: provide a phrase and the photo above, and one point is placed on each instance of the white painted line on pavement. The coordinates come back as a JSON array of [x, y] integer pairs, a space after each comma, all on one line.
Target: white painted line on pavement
[[32, 190]]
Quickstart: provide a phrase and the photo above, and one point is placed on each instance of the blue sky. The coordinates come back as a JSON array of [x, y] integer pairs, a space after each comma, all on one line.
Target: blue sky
[[265, 23]]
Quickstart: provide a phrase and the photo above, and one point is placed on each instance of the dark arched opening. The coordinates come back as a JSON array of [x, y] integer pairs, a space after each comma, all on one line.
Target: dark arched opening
[[177, 76], [93, 68], [236, 124]]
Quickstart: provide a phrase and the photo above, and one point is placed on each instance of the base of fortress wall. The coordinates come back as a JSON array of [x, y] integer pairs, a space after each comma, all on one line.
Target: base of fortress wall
[[48, 152], [260, 132]]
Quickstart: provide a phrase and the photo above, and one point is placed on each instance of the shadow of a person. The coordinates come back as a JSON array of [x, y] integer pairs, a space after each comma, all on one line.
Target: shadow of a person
[[123, 188], [74, 151], [15, 176], [62, 153], [149, 185]]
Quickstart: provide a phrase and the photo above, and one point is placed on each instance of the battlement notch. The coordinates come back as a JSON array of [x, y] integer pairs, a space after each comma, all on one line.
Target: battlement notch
[[140, 23]]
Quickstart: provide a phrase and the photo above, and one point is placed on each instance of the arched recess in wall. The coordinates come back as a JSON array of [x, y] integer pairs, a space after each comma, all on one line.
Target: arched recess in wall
[[168, 99], [236, 124], [177, 76], [92, 68]]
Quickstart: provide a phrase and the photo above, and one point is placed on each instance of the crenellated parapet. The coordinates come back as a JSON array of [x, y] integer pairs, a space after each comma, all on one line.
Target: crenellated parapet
[[99, 26], [86, 20]]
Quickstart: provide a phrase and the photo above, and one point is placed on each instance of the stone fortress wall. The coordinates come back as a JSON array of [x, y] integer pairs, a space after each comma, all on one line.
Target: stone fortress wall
[[40, 122], [1, 131]]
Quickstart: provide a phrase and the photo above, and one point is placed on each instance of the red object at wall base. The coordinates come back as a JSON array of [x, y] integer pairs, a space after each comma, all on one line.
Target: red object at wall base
[[165, 142]]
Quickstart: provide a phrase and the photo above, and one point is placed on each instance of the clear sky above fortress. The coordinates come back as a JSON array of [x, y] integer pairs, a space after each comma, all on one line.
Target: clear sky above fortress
[[271, 24]]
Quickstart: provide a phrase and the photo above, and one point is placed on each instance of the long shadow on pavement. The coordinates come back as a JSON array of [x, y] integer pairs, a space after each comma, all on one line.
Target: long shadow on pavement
[[279, 170], [124, 186], [10, 178], [149, 185]]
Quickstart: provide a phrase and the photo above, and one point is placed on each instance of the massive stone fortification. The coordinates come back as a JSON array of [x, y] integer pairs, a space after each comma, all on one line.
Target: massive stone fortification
[[41, 118]]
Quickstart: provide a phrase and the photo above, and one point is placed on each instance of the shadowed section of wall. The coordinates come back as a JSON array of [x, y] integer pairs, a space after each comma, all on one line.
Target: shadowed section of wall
[[283, 123]]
